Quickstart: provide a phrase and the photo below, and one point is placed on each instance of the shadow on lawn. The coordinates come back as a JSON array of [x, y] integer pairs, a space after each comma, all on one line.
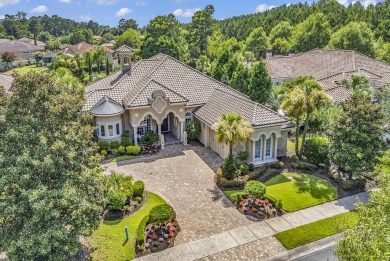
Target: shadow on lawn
[[318, 188], [277, 180], [217, 194]]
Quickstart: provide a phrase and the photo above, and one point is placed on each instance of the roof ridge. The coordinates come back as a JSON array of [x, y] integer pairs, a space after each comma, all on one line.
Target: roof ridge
[[169, 89]]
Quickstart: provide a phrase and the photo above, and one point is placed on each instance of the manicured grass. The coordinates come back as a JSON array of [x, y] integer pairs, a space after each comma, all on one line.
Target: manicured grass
[[298, 190], [26, 69], [317, 230], [291, 145], [108, 241], [122, 158]]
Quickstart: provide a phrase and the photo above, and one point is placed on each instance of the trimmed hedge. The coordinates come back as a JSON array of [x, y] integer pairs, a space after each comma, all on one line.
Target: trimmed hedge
[[104, 145], [141, 231], [255, 188], [121, 150], [161, 214], [133, 150], [138, 188], [114, 145]]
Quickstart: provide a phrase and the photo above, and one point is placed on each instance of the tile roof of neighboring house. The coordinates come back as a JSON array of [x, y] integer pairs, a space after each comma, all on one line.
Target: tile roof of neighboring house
[[6, 81], [83, 47], [106, 106], [180, 83], [4, 41], [20, 46], [30, 41], [125, 49], [222, 102], [340, 93]]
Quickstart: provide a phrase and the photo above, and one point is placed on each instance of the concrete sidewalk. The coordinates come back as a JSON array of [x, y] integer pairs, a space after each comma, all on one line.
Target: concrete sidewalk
[[255, 241]]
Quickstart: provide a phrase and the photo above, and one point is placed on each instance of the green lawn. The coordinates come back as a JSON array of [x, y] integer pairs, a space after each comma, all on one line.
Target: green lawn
[[291, 145], [108, 241], [26, 69], [317, 230], [122, 158], [298, 190]]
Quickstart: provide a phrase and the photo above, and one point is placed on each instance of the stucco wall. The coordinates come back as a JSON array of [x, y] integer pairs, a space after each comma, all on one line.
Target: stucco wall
[[137, 115]]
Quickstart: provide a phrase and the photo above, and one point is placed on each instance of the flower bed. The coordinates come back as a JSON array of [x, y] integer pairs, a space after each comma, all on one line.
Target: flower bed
[[258, 209], [160, 236]]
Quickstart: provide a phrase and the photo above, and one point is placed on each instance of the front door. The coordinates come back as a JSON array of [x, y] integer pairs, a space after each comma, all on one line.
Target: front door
[[165, 125]]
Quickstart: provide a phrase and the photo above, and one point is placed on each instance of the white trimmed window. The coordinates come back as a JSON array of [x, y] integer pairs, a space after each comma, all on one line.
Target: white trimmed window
[[145, 126], [188, 117], [109, 130], [258, 149], [268, 148]]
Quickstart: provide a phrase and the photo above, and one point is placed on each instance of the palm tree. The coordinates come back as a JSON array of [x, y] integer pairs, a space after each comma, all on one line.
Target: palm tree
[[116, 180], [302, 100], [98, 57], [232, 129], [88, 57]]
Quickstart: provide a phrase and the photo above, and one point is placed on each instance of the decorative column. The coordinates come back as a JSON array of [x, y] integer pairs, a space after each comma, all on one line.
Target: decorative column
[[135, 135], [264, 144], [181, 130], [276, 147], [159, 128]]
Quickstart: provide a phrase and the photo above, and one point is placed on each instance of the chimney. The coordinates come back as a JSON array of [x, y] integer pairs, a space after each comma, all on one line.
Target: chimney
[[291, 53], [268, 53], [125, 53]]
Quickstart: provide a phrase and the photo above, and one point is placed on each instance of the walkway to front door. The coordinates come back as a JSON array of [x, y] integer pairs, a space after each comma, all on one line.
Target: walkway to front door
[[170, 139]]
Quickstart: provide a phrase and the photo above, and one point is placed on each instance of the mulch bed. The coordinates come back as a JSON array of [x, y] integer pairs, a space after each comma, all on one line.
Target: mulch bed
[[257, 210], [112, 215]]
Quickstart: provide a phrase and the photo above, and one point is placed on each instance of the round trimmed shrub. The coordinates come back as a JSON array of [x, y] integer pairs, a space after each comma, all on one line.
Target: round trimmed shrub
[[121, 150], [103, 145], [138, 188], [104, 153], [230, 168], [161, 213], [316, 150], [116, 200], [255, 188], [114, 145], [243, 155]]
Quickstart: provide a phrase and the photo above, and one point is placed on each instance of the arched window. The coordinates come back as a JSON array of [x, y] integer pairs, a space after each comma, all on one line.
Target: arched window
[[258, 149], [188, 117], [126, 60], [268, 147], [145, 126]]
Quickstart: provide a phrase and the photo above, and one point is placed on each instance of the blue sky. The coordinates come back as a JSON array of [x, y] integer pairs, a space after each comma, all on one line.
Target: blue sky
[[109, 12]]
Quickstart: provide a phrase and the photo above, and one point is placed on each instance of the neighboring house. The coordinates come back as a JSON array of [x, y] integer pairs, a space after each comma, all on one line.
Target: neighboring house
[[83, 47], [6, 81], [330, 68], [162, 94], [30, 41], [48, 58], [21, 49], [110, 44], [4, 41]]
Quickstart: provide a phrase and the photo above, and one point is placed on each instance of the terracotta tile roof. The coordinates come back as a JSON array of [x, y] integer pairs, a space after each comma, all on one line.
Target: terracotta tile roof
[[340, 93], [20, 46], [181, 83], [83, 47], [125, 49], [6, 81], [222, 102]]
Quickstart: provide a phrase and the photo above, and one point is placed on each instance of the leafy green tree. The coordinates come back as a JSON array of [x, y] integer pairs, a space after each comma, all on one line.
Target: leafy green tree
[[202, 63], [232, 129], [163, 45], [89, 59], [370, 239], [384, 101], [35, 27], [223, 67], [99, 57], [312, 33], [282, 30], [8, 57], [44, 36], [260, 84], [354, 149], [77, 37], [130, 38], [127, 24], [383, 30], [48, 170], [354, 36], [201, 29], [256, 42], [240, 78], [384, 53], [53, 44]]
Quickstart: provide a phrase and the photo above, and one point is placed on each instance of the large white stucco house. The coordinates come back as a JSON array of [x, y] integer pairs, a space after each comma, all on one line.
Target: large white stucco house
[[161, 94]]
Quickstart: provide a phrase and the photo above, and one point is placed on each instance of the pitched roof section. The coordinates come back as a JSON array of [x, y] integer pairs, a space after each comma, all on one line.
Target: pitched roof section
[[125, 49], [222, 102], [83, 47], [106, 107], [20, 46]]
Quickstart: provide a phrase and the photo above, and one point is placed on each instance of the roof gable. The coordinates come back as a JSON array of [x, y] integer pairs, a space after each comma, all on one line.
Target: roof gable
[[107, 106]]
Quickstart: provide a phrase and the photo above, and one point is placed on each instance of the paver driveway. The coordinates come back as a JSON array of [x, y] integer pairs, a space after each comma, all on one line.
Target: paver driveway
[[187, 183]]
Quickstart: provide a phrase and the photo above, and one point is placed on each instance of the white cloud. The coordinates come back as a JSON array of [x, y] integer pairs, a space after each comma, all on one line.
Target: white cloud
[[189, 12], [343, 2], [8, 2], [263, 7], [366, 3], [39, 9], [2, 16], [85, 18], [123, 11], [141, 3], [104, 2], [65, 1]]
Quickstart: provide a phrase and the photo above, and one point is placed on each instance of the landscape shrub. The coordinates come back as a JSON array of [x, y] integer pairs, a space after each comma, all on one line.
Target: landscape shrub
[[141, 231], [294, 158], [244, 169], [103, 152], [149, 139], [116, 200], [277, 165], [138, 199], [234, 183], [348, 184], [251, 167], [243, 155], [230, 168], [192, 129], [161, 213], [304, 165], [103, 145], [239, 196], [278, 204], [128, 187], [114, 152], [121, 150], [126, 141], [133, 150], [255, 189], [114, 145], [316, 150], [138, 188]]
